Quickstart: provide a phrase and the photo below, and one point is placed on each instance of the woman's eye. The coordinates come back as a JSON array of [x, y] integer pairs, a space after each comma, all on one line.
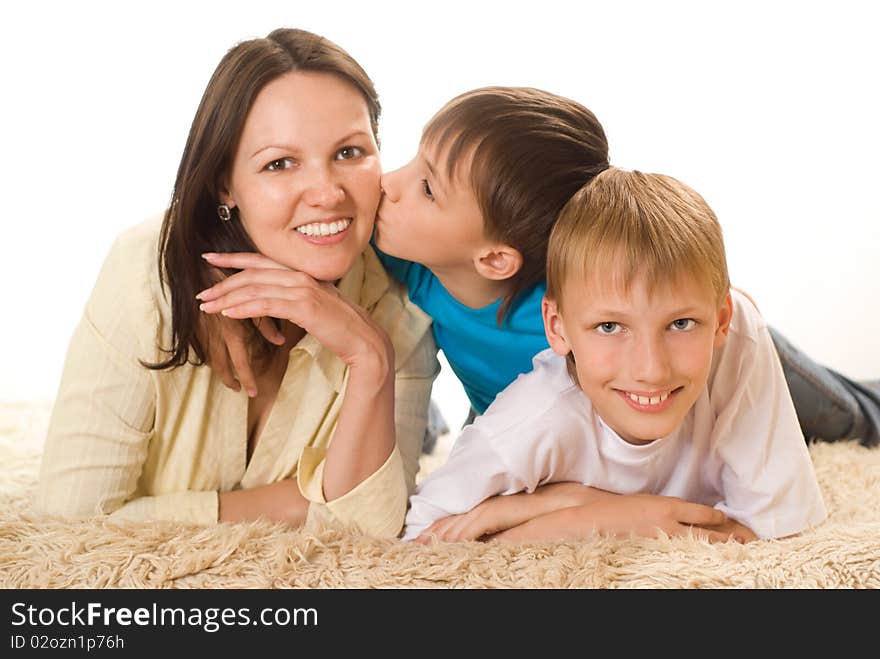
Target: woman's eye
[[349, 153], [682, 324], [427, 190], [281, 163], [608, 328]]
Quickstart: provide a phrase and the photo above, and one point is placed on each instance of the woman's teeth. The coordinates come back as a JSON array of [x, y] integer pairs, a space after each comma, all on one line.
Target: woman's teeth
[[324, 228]]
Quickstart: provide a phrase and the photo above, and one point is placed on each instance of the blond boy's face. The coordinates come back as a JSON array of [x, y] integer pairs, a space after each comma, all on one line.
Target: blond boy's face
[[642, 358], [428, 218]]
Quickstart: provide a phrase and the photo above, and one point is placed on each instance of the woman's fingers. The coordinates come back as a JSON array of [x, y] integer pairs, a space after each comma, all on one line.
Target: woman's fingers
[[217, 356], [252, 276], [269, 331], [218, 360], [317, 307], [252, 292], [301, 311], [242, 260], [233, 336]]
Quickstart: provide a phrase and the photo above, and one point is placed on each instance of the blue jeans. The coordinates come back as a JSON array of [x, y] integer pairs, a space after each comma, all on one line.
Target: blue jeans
[[830, 406], [436, 426]]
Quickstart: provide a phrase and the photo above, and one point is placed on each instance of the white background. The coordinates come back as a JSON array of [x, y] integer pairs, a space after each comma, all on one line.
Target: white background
[[769, 109]]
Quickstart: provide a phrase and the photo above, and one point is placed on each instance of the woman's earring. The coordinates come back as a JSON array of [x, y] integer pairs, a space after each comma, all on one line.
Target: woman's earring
[[224, 212]]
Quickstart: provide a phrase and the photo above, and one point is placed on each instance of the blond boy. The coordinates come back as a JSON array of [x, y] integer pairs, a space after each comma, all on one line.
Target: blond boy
[[661, 390]]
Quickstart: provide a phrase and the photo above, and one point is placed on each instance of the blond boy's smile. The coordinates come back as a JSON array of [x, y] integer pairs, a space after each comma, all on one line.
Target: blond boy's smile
[[654, 401], [643, 354]]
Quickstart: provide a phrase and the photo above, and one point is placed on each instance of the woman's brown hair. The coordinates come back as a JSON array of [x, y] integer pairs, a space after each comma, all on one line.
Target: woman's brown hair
[[532, 150], [191, 226]]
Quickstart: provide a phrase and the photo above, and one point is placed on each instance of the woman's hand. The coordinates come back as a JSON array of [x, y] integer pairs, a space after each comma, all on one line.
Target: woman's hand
[[266, 288], [364, 435], [227, 353]]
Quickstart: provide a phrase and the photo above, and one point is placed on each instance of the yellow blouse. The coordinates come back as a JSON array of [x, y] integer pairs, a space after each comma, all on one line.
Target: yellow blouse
[[136, 443]]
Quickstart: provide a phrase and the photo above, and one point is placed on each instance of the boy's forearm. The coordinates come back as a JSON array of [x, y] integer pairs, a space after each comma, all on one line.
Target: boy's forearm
[[567, 494], [561, 524], [507, 511], [635, 514]]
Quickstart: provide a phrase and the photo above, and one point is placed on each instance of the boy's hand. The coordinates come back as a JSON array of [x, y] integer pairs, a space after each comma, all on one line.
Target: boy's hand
[[739, 532], [503, 512], [638, 514], [493, 515]]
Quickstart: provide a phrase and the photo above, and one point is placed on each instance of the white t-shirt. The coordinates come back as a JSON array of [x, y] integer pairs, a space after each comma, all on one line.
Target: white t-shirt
[[739, 449]]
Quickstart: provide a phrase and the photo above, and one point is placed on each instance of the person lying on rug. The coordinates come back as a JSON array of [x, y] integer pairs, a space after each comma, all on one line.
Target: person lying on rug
[[281, 162], [661, 387], [465, 227]]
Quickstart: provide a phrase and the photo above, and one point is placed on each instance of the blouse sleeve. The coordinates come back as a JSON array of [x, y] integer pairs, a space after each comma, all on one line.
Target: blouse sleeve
[[378, 504], [104, 413]]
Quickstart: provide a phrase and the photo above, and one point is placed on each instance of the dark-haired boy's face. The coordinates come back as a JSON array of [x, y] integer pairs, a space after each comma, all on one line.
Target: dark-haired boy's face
[[428, 218]]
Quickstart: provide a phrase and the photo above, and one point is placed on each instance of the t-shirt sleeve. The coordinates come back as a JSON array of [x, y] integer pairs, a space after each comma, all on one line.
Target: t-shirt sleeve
[[767, 477], [474, 472], [514, 447]]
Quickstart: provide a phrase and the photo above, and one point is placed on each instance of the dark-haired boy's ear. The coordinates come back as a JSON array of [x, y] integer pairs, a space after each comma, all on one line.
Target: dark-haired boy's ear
[[498, 262], [553, 327], [725, 314]]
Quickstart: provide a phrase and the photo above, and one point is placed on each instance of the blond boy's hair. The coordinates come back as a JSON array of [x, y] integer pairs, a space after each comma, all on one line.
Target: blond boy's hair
[[627, 224]]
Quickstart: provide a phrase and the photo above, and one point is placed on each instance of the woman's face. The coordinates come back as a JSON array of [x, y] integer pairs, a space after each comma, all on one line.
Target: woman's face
[[305, 178]]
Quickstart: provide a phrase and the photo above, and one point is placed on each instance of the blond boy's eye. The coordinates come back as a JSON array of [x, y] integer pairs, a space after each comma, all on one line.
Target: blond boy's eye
[[427, 190], [683, 324], [608, 328]]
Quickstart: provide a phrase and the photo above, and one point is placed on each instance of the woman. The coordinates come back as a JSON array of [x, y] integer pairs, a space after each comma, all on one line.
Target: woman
[[282, 163]]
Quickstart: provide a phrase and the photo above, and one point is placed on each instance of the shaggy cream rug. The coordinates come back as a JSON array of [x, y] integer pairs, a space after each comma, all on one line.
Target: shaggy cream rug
[[43, 552]]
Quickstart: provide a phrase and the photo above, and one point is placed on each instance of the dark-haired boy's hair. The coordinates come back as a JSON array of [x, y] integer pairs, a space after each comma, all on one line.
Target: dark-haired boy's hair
[[531, 151]]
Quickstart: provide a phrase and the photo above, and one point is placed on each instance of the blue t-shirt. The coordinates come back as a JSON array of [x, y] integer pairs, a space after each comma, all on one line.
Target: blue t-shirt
[[485, 357]]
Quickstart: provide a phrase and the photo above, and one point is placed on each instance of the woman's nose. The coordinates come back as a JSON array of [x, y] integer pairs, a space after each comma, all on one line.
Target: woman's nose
[[323, 190]]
